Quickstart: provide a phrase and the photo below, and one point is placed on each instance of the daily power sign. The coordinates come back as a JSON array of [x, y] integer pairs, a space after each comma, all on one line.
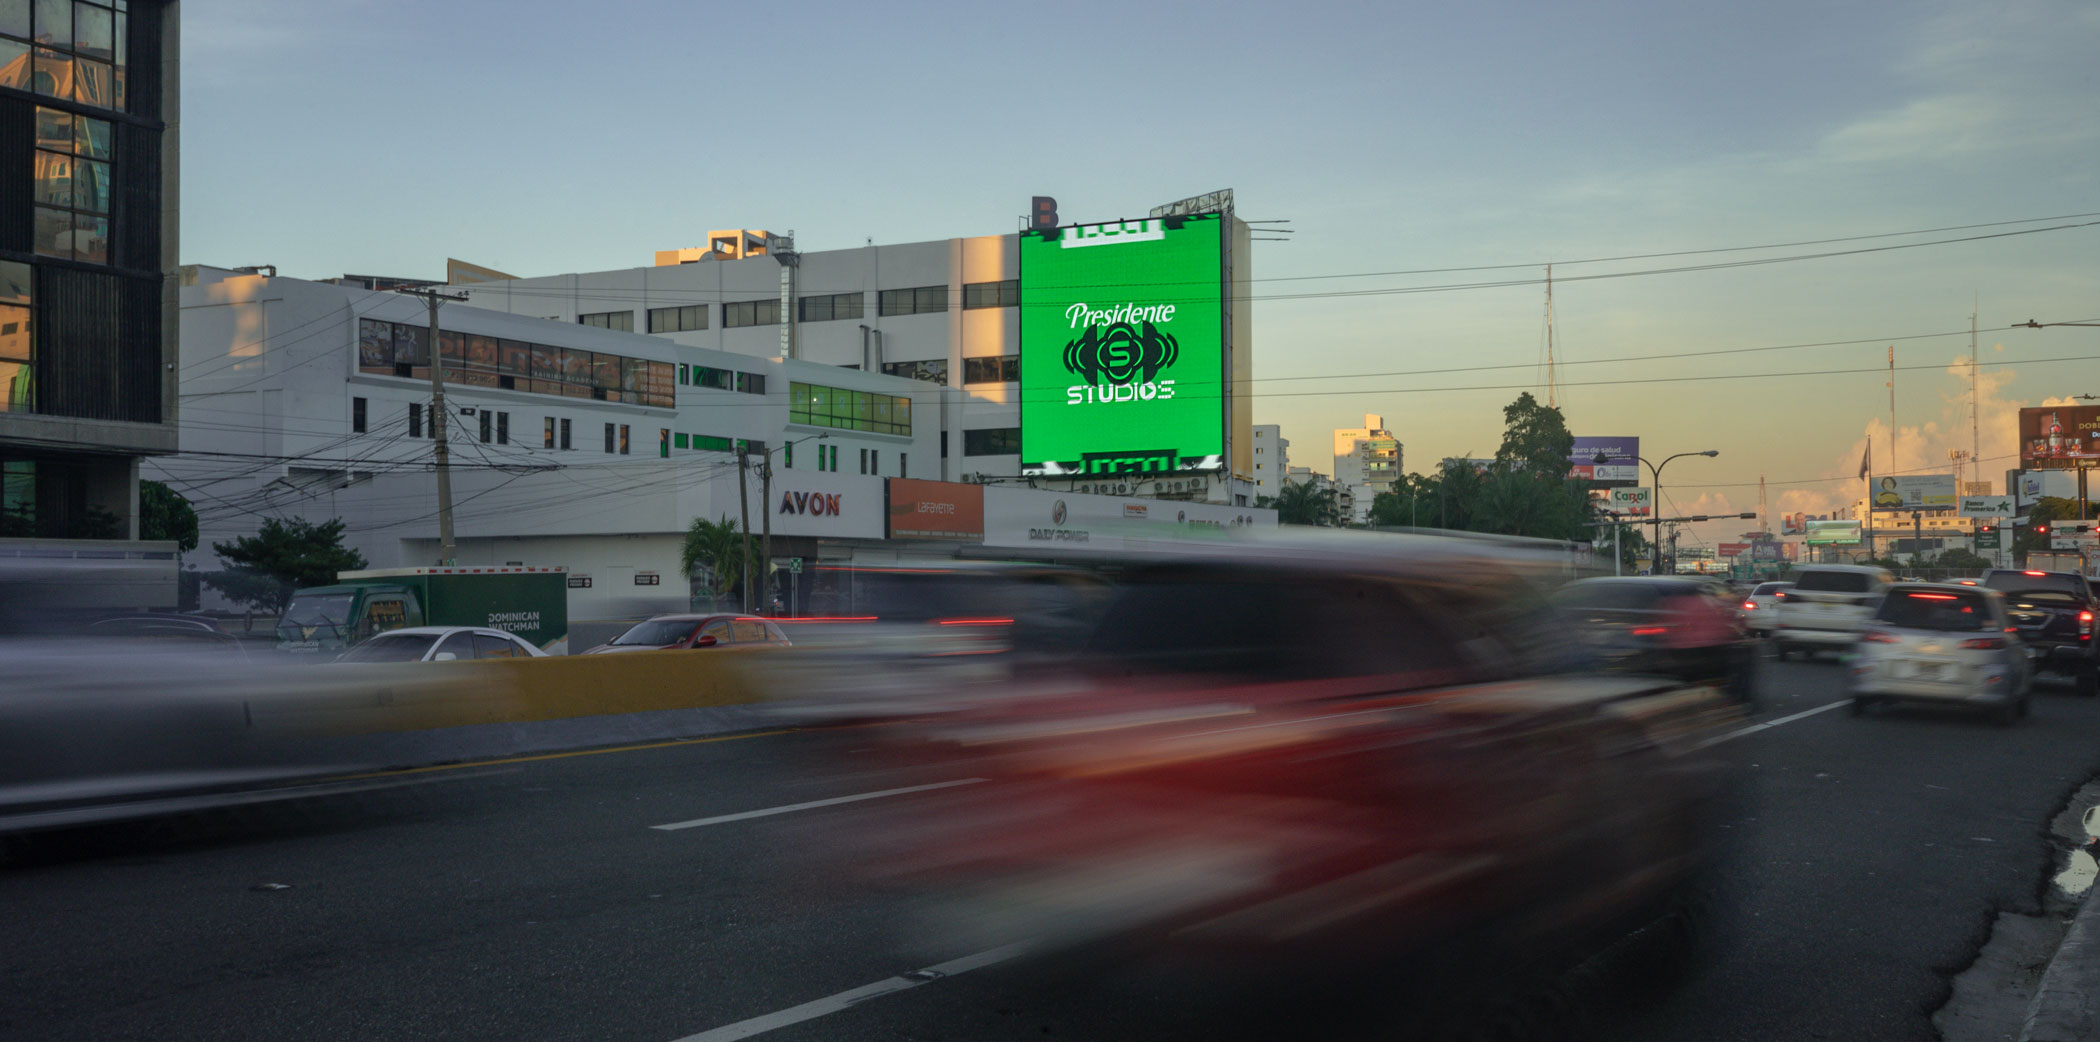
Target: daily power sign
[[1122, 347]]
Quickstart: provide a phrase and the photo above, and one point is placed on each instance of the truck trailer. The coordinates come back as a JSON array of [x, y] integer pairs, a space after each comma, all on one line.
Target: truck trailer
[[532, 603]]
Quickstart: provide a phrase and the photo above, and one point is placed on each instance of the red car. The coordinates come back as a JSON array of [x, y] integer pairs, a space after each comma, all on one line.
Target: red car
[[666, 632]]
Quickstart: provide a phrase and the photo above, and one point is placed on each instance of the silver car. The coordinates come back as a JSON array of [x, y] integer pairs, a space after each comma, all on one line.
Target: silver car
[[1827, 606], [1932, 642], [1760, 608]]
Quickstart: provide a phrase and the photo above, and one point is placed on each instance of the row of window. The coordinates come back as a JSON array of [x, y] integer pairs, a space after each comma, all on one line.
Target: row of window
[[71, 49], [17, 368], [992, 441], [991, 370], [721, 379], [71, 185], [495, 427], [916, 300], [845, 409], [401, 349]]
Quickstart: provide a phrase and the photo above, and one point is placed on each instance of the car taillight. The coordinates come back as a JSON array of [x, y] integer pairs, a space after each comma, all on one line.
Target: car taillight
[[1749, 605], [1984, 644], [1877, 637], [1650, 631]]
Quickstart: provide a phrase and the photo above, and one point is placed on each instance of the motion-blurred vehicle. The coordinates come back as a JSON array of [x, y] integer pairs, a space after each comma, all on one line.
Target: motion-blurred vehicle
[[1942, 643], [440, 644], [1827, 607], [1664, 626], [170, 628], [1760, 609], [1302, 756], [530, 602], [667, 632], [2054, 612]]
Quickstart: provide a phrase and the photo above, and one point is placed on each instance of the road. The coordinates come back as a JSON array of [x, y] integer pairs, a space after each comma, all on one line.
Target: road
[[537, 899]]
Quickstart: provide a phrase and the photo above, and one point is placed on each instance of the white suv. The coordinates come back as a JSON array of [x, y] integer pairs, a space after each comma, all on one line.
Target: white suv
[[1827, 607]]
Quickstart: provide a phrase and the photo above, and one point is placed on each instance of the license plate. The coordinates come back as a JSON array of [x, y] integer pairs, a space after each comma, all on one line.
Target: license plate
[[1926, 670]]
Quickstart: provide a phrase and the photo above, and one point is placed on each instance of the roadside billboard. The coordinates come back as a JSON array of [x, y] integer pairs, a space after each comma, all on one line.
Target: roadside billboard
[[1621, 467], [1915, 492], [1732, 549], [1797, 523], [2060, 437], [944, 510], [1631, 502], [1122, 347], [1986, 506], [1832, 533]]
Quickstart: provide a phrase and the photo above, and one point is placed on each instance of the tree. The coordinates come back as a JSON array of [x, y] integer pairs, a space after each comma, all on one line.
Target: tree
[[165, 514], [2047, 510], [1961, 559], [1303, 503], [283, 556], [718, 547], [1535, 437]]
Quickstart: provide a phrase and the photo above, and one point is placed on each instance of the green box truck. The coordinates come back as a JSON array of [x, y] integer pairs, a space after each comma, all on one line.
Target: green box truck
[[532, 603]]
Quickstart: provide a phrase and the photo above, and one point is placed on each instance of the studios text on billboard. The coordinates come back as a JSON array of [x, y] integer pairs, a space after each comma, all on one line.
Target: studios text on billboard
[[1122, 347]]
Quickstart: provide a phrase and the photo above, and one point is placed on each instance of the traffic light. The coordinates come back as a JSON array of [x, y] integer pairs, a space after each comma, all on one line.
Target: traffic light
[[2041, 529]]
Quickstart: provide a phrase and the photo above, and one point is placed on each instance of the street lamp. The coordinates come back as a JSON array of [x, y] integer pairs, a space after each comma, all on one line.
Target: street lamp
[[1655, 505]]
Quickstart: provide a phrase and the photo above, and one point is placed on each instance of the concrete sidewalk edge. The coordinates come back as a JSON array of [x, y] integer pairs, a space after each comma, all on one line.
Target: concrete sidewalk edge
[[2066, 1006]]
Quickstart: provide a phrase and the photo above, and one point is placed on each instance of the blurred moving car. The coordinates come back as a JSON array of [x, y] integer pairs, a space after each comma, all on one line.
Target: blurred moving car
[[1827, 607], [2054, 612], [1664, 626], [1942, 643], [1760, 610], [1304, 756], [195, 631], [668, 632], [440, 644]]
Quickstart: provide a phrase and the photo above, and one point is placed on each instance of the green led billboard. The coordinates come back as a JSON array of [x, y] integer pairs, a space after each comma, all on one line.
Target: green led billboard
[[1122, 347]]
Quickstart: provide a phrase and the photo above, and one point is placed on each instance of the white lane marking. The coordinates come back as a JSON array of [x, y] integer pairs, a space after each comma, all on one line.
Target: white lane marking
[[846, 999], [811, 805], [1769, 724]]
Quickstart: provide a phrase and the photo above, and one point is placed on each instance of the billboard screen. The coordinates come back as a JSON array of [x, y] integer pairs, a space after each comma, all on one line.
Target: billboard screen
[[1986, 506], [2060, 437], [1122, 347], [1832, 533], [1914, 492], [942, 510], [1614, 470]]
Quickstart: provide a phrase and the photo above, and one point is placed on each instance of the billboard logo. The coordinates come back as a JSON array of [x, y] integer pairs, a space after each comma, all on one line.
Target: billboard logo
[[1126, 357], [1057, 513], [1114, 232]]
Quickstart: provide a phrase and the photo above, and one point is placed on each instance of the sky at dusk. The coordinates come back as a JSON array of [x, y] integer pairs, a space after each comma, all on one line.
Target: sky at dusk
[[384, 136]]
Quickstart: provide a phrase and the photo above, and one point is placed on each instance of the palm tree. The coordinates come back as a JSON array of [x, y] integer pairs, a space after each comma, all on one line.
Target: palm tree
[[1299, 503], [718, 547]]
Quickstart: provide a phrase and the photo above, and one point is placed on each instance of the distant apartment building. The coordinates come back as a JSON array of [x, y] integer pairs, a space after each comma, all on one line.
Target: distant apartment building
[[1366, 463], [88, 99], [1272, 462]]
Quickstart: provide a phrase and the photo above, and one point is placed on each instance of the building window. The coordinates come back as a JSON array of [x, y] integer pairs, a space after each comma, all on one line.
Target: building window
[[992, 294], [678, 440], [17, 364], [565, 433], [992, 441], [787, 456], [502, 428], [919, 300], [751, 313], [719, 379], [663, 442], [711, 443], [845, 409], [488, 425], [903, 465], [398, 349], [79, 50], [932, 370], [751, 383], [678, 320], [71, 185], [829, 307], [608, 437], [550, 433], [357, 415], [623, 440], [1000, 369], [827, 457], [864, 461], [415, 419], [620, 320]]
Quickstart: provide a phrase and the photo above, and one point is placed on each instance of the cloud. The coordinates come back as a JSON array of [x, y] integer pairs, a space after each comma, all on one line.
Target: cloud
[[1933, 127]]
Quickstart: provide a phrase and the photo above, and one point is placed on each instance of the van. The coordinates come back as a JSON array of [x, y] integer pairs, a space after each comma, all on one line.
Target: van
[[1827, 608]]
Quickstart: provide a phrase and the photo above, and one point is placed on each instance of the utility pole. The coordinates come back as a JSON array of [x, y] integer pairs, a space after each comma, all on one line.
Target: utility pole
[[743, 496], [765, 546], [448, 551], [1552, 385]]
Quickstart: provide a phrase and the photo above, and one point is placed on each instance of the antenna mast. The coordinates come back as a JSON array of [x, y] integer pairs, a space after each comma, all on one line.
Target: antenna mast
[[1552, 385], [1975, 403], [1892, 410]]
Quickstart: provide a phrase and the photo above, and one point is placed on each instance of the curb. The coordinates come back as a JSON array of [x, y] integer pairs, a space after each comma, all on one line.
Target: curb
[[2066, 1006]]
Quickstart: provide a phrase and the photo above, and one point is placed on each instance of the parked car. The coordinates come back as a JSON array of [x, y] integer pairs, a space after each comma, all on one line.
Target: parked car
[[1942, 643], [193, 631], [1663, 626], [2054, 612], [1827, 607], [440, 644], [669, 632], [1760, 608], [1308, 756]]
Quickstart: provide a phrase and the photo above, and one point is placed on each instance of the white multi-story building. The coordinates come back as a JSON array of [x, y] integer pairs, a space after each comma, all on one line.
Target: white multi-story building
[[943, 313], [569, 444], [1272, 461], [1366, 462]]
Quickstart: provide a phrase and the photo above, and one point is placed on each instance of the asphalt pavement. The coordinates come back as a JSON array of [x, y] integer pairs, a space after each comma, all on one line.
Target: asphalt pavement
[[540, 899]]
